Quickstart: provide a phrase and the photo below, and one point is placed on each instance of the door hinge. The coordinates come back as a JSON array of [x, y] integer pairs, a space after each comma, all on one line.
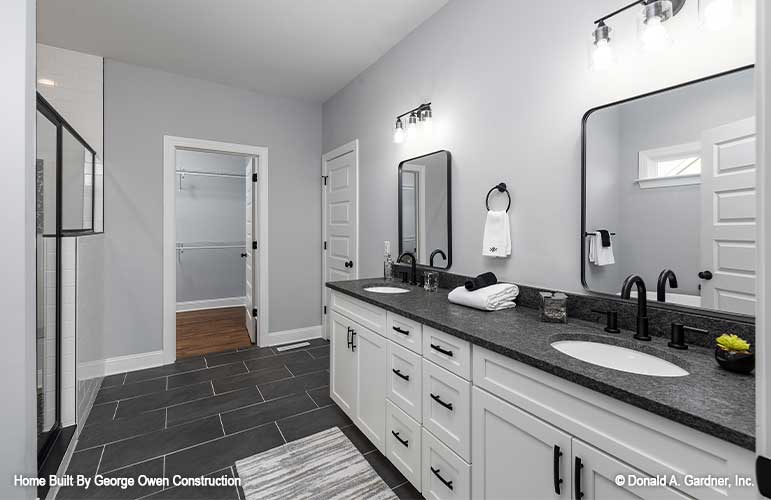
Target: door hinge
[[325, 309], [254, 177], [254, 312], [763, 475], [325, 245], [324, 178], [254, 245]]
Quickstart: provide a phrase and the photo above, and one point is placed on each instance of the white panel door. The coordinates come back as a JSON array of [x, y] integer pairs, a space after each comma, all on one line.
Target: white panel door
[[342, 364], [250, 267], [371, 355], [515, 454], [729, 229], [598, 476]]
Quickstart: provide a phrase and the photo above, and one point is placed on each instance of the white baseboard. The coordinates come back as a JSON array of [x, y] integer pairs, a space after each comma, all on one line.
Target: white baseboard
[[196, 305], [287, 336], [120, 364]]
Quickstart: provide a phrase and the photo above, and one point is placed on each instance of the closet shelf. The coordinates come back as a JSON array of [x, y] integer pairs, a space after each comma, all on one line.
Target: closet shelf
[[210, 174]]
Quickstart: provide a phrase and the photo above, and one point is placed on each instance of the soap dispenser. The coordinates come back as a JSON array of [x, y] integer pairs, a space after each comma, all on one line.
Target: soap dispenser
[[388, 263]]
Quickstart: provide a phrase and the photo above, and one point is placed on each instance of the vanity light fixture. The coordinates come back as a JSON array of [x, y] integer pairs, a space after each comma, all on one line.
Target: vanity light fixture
[[602, 53], [399, 131], [421, 115], [653, 32]]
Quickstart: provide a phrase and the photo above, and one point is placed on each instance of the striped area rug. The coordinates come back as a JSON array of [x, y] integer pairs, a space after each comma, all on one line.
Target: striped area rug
[[322, 466]]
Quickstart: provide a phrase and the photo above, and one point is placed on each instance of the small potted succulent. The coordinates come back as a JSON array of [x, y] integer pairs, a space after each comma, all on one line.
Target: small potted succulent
[[733, 353]]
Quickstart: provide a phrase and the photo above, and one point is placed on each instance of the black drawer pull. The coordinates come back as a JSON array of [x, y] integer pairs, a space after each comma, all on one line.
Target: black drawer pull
[[577, 477], [439, 400], [557, 479], [405, 442], [400, 374], [399, 330], [353, 335], [443, 351], [349, 337], [443, 480]]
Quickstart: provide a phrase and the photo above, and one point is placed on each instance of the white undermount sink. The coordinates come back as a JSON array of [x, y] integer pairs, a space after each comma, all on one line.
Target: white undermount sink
[[619, 358], [385, 289]]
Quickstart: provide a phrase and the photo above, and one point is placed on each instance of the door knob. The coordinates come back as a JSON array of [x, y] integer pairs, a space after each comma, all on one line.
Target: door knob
[[243, 255], [349, 263], [705, 275]]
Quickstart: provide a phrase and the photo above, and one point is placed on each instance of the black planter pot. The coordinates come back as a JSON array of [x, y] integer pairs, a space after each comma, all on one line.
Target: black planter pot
[[739, 362]]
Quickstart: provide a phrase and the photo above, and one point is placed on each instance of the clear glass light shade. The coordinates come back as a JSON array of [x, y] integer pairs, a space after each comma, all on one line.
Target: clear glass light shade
[[427, 122], [716, 14], [412, 125], [602, 55], [654, 36], [399, 132]]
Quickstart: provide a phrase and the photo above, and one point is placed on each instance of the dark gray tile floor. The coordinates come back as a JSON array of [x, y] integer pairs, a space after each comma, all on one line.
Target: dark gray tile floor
[[200, 415]]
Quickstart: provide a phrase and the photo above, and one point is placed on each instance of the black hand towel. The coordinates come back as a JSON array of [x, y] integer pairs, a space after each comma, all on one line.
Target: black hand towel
[[481, 281], [605, 236]]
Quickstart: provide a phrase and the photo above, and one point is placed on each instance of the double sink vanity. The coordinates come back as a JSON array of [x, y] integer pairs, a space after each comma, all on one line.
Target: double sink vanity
[[472, 404]]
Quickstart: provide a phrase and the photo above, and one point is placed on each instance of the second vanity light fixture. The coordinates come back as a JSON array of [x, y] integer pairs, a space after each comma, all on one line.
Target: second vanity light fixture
[[653, 33], [420, 116]]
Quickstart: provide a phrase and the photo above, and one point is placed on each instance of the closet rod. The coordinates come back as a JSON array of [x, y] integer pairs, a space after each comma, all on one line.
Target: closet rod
[[210, 247], [210, 174]]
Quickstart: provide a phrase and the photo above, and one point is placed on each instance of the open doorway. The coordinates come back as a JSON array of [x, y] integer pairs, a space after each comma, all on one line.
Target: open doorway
[[215, 275]]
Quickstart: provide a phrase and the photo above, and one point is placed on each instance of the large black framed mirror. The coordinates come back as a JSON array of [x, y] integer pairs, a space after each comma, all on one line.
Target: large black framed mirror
[[425, 209], [668, 193]]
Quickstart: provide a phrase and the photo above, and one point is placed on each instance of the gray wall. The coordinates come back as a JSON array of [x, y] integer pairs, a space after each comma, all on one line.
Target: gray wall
[[91, 338], [141, 106], [210, 210], [656, 228], [509, 83], [17, 253]]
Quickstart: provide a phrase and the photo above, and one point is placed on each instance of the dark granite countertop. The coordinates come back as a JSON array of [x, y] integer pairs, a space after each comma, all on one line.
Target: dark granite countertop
[[709, 399]]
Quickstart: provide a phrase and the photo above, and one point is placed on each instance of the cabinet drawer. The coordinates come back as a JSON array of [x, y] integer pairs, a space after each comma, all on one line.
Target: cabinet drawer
[[405, 375], [447, 408], [405, 332], [365, 314], [403, 437], [447, 351], [445, 474]]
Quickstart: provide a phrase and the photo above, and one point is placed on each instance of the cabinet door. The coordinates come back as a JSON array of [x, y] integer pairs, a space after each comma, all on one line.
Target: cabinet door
[[596, 477], [370, 376], [516, 455], [342, 364]]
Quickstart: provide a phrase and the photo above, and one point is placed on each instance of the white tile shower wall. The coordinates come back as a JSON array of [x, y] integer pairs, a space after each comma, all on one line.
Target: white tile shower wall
[[48, 376], [68, 328]]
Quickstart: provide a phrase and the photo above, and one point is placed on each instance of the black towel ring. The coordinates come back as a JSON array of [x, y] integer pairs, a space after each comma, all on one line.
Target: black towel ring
[[501, 188]]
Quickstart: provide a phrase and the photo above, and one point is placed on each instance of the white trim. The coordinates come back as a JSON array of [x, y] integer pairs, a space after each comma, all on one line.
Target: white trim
[[170, 146], [647, 168], [325, 158], [763, 341], [120, 364], [296, 335], [198, 305], [670, 181]]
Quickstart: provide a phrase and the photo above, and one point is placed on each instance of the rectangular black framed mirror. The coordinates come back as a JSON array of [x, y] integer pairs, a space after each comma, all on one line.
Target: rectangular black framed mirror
[[425, 209], [668, 194]]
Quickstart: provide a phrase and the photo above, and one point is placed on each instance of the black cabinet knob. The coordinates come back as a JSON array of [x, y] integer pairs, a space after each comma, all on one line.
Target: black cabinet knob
[[705, 275]]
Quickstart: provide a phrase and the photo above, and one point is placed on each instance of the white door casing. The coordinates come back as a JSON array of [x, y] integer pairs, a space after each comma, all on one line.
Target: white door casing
[[729, 222], [251, 291], [170, 146], [340, 219]]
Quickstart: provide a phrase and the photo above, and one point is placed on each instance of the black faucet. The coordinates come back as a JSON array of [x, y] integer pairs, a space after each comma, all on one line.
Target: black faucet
[[414, 270], [433, 254], [661, 293], [642, 304]]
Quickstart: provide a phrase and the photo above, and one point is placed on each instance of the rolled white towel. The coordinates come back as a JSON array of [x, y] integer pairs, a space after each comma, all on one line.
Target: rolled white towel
[[490, 298]]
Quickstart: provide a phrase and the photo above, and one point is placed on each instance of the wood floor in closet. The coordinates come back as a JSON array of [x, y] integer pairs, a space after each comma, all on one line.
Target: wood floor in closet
[[210, 330]]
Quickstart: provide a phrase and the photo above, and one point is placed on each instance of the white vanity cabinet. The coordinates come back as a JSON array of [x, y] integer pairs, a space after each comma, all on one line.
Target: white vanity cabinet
[[460, 421]]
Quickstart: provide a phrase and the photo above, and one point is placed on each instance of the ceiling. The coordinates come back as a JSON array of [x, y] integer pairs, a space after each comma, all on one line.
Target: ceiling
[[307, 49]]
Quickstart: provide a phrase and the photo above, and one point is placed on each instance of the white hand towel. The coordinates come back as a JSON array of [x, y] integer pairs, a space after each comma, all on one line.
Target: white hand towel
[[490, 298], [497, 237], [598, 254]]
